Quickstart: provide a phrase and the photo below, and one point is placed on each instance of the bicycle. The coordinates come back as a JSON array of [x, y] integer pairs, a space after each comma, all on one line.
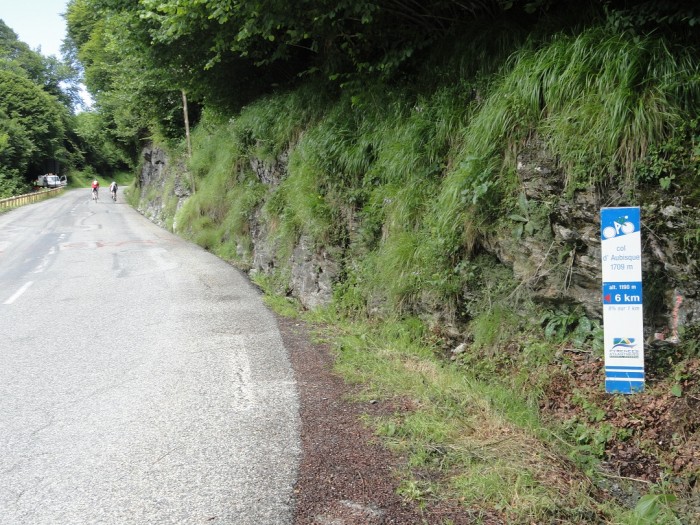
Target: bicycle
[[114, 195], [94, 194], [619, 225]]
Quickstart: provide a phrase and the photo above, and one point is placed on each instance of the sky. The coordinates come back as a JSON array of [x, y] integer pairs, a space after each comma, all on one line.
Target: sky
[[38, 23]]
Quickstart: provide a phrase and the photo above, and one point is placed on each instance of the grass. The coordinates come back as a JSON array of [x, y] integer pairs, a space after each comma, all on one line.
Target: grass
[[83, 179], [597, 99], [604, 98], [467, 440], [476, 441]]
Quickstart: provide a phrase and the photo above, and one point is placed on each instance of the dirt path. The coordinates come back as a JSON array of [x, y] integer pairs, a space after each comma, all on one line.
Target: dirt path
[[346, 477]]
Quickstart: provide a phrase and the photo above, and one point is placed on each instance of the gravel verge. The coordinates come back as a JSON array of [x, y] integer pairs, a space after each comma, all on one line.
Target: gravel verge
[[346, 477]]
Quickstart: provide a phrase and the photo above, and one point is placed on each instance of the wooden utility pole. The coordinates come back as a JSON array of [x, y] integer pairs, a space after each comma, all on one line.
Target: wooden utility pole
[[187, 132], [187, 124]]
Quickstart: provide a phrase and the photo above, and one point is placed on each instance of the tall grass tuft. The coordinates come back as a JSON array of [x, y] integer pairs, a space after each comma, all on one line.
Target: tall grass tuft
[[227, 191], [268, 127], [297, 206], [607, 97], [473, 439], [597, 99]]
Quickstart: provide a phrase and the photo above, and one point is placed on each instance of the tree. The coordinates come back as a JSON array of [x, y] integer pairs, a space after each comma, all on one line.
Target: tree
[[34, 121], [15, 144], [133, 89], [92, 144], [139, 56], [57, 78]]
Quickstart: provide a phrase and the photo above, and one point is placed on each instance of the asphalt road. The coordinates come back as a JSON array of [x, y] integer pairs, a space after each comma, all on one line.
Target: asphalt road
[[142, 381]]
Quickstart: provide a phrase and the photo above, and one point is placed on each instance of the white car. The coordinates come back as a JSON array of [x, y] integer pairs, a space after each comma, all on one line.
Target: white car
[[51, 181]]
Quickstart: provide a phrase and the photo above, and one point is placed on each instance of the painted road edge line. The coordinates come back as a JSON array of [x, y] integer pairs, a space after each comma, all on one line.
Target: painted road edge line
[[19, 292]]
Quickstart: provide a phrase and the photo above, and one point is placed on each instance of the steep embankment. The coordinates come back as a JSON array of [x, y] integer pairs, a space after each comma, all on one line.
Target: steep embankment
[[471, 209]]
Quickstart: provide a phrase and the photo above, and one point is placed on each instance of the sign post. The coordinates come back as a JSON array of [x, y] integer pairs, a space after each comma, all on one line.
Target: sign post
[[623, 339]]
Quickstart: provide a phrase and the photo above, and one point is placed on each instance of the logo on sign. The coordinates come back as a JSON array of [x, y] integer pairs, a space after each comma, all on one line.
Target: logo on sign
[[624, 347], [624, 342]]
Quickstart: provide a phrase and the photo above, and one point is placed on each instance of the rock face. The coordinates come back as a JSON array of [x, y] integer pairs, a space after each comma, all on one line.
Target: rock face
[[558, 256], [551, 243], [156, 180], [564, 266], [270, 173], [313, 270], [153, 168], [313, 274]]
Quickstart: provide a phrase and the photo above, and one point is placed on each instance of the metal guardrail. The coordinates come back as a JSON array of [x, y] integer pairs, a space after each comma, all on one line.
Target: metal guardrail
[[28, 198]]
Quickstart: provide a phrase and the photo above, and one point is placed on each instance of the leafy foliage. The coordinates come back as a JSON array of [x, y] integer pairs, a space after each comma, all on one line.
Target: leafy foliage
[[33, 122], [139, 56], [36, 126], [225, 53], [677, 16], [57, 78], [94, 145], [655, 508]]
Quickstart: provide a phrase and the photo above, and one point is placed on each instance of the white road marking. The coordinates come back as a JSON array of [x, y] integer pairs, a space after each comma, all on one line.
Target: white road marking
[[45, 261], [19, 292]]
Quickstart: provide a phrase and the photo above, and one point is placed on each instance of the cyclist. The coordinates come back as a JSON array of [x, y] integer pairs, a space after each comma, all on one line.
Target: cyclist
[[95, 189], [113, 190]]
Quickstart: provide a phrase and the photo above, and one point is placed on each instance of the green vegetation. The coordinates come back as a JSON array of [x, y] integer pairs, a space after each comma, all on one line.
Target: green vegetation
[[39, 131], [31, 124], [83, 179], [469, 436], [427, 176]]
